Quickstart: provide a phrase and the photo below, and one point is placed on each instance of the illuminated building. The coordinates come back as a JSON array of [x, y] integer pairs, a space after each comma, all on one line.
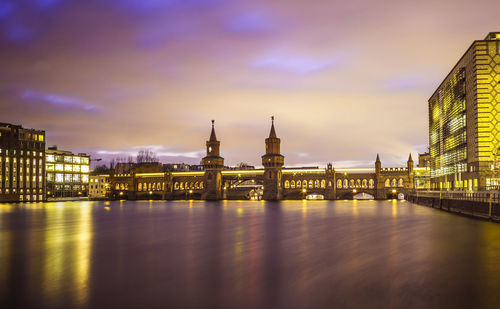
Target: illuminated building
[[273, 182], [273, 162], [22, 164], [464, 121], [99, 186], [213, 164], [67, 173]]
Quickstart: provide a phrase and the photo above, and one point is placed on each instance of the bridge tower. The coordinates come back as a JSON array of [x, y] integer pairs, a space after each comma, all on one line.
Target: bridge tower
[[379, 182], [331, 185], [212, 164], [273, 162], [409, 166]]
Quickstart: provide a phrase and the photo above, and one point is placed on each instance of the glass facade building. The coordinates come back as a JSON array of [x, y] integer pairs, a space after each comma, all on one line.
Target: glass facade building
[[464, 121], [67, 173], [22, 164]]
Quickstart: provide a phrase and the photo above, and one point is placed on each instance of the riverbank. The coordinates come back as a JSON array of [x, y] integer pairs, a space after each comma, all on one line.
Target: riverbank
[[483, 210]]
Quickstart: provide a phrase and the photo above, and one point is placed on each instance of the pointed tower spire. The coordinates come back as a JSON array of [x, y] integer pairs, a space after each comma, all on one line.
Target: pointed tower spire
[[213, 138], [409, 158], [272, 134], [378, 158]]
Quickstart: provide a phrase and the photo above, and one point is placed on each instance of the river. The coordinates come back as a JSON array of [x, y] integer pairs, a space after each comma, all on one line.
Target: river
[[243, 254]]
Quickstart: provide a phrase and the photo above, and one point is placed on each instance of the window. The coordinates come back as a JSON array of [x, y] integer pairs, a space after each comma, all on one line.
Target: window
[[176, 186], [310, 183], [287, 184], [85, 168], [59, 178], [339, 183], [351, 183], [358, 183], [346, 185], [364, 184], [292, 184], [323, 184], [76, 160], [394, 183], [387, 183], [298, 184], [85, 178], [316, 184], [50, 158], [59, 167], [400, 182]]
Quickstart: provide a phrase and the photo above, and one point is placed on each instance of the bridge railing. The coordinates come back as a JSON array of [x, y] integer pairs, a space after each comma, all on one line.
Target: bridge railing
[[476, 196]]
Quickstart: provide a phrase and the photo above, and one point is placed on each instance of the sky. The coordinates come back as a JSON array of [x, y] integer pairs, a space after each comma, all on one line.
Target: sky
[[345, 80]]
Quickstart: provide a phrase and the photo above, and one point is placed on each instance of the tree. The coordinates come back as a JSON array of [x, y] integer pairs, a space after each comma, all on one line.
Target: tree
[[101, 169], [147, 156]]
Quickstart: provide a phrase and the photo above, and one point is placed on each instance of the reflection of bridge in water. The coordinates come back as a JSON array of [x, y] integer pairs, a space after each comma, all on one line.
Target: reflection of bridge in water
[[273, 182]]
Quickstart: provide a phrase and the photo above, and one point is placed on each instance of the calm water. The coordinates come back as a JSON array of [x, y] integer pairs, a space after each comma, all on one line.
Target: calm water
[[294, 254]]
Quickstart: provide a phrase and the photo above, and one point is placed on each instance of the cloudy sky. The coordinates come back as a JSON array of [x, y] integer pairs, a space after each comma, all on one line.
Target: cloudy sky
[[344, 79]]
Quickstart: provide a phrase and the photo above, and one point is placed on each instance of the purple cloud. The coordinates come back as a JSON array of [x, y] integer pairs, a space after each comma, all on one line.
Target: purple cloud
[[59, 100], [404, 83], [296, 64], [250, 22]]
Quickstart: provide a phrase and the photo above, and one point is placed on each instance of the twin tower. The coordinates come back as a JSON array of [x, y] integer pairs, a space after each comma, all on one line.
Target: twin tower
[[273, 162]]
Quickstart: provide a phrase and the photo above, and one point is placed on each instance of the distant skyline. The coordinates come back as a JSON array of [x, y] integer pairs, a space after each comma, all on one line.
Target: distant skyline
[[345, 79]]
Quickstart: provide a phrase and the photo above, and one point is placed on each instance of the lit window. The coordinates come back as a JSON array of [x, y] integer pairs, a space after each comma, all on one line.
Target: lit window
[[85, 168], [59, 178]]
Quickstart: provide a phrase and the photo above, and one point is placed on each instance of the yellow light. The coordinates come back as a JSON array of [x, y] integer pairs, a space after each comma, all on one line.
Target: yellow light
[[150, 192], [185, 173], [354, 191], [149, 174], [225, 188], [304, 190], [121, 193], [393, 190], [190, 191]]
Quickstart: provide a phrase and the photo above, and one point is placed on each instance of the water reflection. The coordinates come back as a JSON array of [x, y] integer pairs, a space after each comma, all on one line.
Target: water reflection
[[232, 254]]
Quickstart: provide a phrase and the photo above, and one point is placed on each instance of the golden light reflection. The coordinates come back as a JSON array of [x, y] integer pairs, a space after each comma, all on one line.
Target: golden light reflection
[[67, 251], [6, 208], [239, 211], [355, 212], [82, 253], [5, 253], [394, 207], [304, 209]]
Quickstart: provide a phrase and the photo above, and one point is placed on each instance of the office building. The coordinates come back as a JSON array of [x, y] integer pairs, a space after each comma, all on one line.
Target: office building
[[464, 121], [67, 173], [22, 164]]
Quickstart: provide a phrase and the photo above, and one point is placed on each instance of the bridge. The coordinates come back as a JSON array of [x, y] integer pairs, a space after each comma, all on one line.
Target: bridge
[[273, 182]]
